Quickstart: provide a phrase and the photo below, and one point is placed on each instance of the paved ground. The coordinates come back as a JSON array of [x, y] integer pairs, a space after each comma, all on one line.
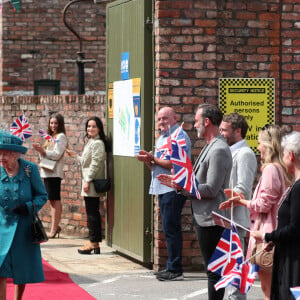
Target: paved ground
[[110, 276]]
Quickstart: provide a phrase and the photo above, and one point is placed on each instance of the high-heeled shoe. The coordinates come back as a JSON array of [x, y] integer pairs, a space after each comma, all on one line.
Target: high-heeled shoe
[[57, 232], [89, 247]]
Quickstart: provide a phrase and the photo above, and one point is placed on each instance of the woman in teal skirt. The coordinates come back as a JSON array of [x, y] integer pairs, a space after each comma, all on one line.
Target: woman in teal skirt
[[20, 187]]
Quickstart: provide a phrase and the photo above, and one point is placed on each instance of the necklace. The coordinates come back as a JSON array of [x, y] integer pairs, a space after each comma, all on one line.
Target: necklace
[[14, 172]]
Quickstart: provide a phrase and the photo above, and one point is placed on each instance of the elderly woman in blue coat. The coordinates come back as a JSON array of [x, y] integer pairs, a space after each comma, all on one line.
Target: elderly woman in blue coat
[[20, 187]]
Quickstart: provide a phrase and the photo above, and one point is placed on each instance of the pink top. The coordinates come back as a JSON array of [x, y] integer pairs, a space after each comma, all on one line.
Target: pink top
[[266, 201]]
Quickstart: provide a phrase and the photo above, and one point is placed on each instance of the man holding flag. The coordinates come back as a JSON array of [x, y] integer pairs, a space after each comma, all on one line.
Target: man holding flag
[[234, 128], [212, 169], [170, 202]]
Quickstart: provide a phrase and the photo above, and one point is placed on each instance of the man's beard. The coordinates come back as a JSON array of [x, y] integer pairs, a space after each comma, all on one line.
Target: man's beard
[[200, 131]]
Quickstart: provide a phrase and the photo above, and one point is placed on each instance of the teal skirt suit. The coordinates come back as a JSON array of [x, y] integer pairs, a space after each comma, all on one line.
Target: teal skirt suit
[[20, 259]]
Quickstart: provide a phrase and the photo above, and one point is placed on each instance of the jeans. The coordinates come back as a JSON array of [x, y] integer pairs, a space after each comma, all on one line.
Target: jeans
[[171, 205], [92, 205], [208, 238]]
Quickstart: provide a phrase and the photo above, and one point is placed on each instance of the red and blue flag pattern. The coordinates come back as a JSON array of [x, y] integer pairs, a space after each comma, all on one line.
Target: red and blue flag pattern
[[241, 277], [296, 292], [165, 151], [228, 253], [183, 169], [21, 128], [46, 136]]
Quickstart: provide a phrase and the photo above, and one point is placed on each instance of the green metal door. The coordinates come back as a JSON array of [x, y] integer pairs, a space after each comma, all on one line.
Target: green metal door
[[129, 206]]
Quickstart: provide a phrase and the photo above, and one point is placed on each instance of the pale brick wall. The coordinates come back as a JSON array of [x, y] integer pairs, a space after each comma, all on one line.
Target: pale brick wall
[[76, 110]]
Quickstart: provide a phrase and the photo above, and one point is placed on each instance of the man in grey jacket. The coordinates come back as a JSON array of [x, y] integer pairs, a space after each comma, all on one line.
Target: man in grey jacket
[[212, 169], [234, 128]]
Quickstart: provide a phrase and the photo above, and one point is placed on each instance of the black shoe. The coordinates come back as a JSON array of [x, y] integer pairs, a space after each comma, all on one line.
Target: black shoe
[[159, 272], [169, 276]]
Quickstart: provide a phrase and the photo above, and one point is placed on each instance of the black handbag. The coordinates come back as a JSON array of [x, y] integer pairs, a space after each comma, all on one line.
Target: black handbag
[[102, 185], [37, 229]]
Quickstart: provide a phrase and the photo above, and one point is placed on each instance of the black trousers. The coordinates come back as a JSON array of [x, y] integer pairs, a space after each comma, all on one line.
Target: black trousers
[[92, 206], [208, 238]]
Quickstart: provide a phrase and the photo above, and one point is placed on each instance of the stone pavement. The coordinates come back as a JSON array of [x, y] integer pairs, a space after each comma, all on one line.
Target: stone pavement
[[110, 276], [62, 254]]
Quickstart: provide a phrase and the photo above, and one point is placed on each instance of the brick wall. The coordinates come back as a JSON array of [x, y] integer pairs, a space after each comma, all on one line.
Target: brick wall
[[76, 110], [199, 41], [36, 44]]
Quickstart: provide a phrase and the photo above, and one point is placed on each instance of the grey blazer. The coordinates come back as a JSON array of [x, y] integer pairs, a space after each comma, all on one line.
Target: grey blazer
[[244, 167], [212, 170]]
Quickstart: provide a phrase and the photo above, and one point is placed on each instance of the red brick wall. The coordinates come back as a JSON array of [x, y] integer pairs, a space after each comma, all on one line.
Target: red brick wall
[[76, 110], [36, 44], [199, 41]]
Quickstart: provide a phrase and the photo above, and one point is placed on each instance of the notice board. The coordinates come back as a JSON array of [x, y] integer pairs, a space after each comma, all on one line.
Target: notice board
[[254, 98]]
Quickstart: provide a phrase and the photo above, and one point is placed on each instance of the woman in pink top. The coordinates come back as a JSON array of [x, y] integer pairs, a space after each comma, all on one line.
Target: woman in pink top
[[266, 198]]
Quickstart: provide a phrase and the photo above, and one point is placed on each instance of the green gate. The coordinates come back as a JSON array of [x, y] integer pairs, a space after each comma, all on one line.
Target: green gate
[[129, 206]]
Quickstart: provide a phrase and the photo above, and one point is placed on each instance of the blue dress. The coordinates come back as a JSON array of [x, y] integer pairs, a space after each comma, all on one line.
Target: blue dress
[[20, 259]]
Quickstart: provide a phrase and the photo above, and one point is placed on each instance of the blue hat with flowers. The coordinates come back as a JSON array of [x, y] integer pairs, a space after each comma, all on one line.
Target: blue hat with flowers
[[11, 143]]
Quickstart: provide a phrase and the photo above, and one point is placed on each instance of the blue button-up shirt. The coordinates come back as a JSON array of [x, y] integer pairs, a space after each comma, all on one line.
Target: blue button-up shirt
[[156, 188]]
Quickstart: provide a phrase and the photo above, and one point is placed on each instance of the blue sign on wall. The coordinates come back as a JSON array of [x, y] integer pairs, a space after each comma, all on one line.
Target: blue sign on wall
[[125, 66]]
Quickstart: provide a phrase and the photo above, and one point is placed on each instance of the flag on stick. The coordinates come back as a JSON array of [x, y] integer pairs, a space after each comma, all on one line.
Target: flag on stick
[[242, 277], [225, 222], [183, 169], [165, 150], [21, 128], [296, 292], [46, 136], [228, 253]]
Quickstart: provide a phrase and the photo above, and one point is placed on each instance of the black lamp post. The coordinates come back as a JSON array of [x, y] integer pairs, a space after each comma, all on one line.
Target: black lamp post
[[80, 61]]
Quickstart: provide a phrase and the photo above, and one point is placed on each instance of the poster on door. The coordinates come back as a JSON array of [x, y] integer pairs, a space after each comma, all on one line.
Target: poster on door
[[126, 122]]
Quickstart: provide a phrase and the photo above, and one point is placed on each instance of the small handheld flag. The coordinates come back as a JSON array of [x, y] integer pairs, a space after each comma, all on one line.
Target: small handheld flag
[[21, 128], [46, 136], [296, 292], [242, 277], [228, 253]]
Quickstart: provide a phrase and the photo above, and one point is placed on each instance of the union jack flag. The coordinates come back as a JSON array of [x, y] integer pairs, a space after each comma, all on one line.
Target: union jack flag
[[183, 169], [296, 292], [164, 151], [46, 136], [228, 253], [242, 277], [21, 128]]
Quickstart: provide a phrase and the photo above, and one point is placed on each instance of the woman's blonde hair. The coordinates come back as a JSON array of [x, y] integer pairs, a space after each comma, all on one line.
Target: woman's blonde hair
[[270, 137]]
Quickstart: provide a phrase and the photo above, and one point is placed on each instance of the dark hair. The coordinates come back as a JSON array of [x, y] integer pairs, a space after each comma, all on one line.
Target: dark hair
[[61, 124], [237, 121], [211, 112], [102, 135]]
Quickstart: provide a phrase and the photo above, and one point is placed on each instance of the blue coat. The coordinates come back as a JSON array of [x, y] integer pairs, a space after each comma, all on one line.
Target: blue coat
[[15, 230]]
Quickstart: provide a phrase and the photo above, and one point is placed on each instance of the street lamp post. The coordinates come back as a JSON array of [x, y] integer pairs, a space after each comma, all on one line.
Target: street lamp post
[[80, 61]]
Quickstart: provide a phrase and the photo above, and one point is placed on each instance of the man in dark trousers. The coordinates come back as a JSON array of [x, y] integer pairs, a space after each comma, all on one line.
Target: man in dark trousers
[[212, 170], [234, 128], [170, 202]]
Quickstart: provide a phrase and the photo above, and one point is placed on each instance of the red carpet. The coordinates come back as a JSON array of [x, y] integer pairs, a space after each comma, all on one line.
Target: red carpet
[[58, 285]]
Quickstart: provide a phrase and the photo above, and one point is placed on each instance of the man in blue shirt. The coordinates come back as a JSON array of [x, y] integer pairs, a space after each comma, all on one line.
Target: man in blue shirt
[[170, 202]]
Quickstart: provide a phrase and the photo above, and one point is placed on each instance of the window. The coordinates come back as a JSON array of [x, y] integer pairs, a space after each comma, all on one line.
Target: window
[[46, 87]]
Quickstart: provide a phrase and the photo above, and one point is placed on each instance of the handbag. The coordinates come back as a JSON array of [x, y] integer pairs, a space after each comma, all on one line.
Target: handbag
[[264, 259], [48, 164], [37, 229], [102, 185]]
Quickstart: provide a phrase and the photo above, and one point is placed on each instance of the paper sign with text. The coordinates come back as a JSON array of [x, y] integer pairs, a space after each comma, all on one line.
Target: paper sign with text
[[254, 98]]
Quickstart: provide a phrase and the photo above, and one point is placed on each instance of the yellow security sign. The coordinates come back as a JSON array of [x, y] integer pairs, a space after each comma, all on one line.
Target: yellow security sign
[[254, 98]]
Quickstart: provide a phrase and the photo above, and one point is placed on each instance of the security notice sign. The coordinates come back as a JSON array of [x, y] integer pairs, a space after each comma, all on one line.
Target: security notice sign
[[254, 98]]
